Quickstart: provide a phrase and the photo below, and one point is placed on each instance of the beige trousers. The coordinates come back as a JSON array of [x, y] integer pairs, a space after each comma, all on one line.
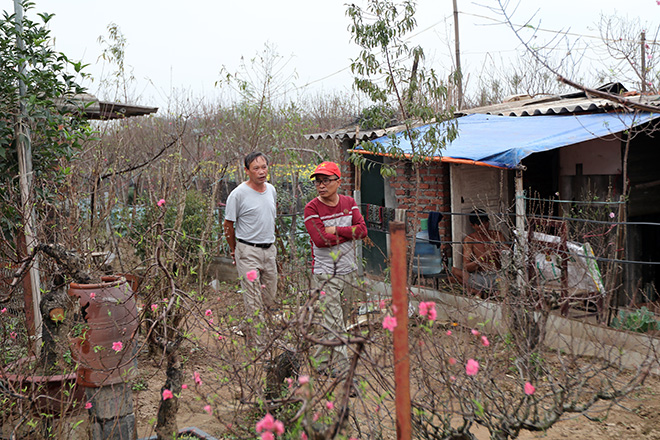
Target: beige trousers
[[258, 295], [336, 306]]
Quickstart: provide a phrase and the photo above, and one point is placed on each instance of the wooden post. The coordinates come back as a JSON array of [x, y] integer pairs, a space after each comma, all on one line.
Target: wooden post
[[24, 151], [398, 273]]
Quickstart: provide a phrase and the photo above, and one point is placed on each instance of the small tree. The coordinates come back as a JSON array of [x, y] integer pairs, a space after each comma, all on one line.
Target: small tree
[[54, 119]]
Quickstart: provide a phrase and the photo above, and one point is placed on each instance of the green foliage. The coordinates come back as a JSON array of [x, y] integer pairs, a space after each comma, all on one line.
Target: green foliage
[[377, 116], [188, 236], [641, 320], [56, 128], [383, 72]]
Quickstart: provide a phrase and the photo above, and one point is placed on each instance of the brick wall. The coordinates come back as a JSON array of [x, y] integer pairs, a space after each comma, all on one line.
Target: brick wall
[[433, 193]]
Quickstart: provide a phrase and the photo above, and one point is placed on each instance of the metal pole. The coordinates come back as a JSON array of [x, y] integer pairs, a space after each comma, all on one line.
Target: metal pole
[[398, 274], [24, 150], [521, 233], [459, 72], [357, 196], [643, 63]]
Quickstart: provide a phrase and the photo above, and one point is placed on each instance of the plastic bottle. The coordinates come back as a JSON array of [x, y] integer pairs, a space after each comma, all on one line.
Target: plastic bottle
[[427, 259]]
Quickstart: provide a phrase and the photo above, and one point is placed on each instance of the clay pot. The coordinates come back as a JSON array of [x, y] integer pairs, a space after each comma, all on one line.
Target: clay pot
[[106, 349], [54, 395]]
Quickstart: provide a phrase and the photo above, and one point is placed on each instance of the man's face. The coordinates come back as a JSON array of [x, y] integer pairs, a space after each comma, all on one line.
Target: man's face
[[258, 170], [326, 186]]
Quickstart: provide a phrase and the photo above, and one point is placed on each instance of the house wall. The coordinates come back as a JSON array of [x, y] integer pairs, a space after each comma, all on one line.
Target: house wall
[[477, 187], [598, 156]]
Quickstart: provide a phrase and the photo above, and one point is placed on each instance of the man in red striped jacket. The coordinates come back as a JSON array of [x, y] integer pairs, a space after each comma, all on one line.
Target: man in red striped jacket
[[334, 223]]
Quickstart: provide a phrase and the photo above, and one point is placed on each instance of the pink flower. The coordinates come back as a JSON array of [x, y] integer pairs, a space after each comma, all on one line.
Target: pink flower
[[197, 377], [452, 378], [208, 410], [381, 304], [184, 387], [475, 332], [267, 436], [389, 322], [154, 307], [4, 310], [289, 381], [302, 380], [329, 405], [315, 417], [167, 394], [117, 346], [88, 405], [279, 427], [529, 388], [452, 361], [322, 293], [161, 202], [92, 295], [211, 321], [220, 337], [448, 332], [303, 436], [251, 275], [472, 367], [266, 424], [428, 309], [485, 341], [208, 312], [13, 335], [612, 215]]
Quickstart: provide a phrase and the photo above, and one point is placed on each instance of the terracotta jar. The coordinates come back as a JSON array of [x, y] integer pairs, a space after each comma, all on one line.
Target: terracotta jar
[[106, 347], [54, 395]]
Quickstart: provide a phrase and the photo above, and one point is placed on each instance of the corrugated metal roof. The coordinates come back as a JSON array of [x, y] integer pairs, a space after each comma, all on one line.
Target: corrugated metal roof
[[92, 108], [558, 105], [361, 135], [351, 133], [575, 103]]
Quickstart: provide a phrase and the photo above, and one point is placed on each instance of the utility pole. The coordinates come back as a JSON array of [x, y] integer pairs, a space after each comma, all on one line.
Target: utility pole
[[643, 63], [459, 72], [24, 150]]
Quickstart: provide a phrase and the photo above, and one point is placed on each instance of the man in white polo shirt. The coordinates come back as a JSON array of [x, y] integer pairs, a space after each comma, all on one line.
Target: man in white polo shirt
[[249, 227]]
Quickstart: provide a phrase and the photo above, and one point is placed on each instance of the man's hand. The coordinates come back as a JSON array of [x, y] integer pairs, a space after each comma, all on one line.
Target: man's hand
[[332, 230]]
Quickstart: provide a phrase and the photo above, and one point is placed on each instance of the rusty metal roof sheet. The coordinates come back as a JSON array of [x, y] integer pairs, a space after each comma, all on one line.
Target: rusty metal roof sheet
[[93, 108]]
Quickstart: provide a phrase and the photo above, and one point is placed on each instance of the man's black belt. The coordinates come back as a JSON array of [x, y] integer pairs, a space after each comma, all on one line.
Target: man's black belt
[[259, 245]]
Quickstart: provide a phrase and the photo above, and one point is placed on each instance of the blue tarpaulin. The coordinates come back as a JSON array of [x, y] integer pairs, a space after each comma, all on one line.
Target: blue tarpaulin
[[504, 141]]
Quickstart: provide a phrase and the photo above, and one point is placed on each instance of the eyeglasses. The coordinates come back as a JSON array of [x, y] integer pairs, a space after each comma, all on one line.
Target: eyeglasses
[[325, 182]]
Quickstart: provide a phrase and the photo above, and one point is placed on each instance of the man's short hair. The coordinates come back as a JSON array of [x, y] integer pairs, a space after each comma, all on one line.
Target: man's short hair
[[478, 216], [252, 157]]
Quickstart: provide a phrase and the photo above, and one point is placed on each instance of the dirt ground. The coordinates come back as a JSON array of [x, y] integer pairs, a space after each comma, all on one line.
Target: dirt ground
[[635, 417]]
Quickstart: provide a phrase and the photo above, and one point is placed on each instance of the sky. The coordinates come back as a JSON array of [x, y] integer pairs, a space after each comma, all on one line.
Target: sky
[[178, 48]]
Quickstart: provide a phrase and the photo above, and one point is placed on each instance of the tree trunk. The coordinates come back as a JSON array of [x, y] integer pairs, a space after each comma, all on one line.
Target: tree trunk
[[166, 426]]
